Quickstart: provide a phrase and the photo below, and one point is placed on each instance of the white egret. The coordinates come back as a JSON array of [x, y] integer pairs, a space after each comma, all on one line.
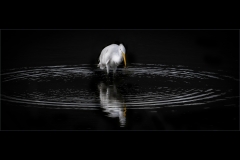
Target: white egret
[[111, 56]]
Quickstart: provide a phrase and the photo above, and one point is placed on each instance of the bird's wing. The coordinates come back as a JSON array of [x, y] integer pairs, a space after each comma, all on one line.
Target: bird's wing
[[102, 53], [105, 55]]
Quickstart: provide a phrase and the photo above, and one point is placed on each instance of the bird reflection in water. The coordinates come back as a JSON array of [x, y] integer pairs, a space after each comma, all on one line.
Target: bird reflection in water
[[112, 102]]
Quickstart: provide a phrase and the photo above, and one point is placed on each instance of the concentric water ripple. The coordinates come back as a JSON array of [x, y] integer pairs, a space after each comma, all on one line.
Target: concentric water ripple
[[139, 86]]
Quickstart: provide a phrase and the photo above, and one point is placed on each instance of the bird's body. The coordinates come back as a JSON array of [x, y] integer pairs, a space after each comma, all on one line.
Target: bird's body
[[111, 56]]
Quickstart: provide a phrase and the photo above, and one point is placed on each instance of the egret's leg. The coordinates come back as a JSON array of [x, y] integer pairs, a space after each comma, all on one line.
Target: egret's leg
[[114, 70], [107, 69]]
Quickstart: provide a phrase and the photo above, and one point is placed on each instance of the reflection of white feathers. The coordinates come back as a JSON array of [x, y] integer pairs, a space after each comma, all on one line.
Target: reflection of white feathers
[[112, 103]]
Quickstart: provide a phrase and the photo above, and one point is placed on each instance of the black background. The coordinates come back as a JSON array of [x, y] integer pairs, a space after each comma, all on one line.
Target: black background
[[222, 21], [217, 49]]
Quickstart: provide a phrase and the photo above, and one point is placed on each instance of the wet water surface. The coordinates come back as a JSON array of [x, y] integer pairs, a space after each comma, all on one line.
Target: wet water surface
[[141, 96]]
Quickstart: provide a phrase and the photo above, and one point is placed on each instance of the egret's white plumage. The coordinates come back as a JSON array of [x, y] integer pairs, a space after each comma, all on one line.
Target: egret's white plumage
[[111, 56]]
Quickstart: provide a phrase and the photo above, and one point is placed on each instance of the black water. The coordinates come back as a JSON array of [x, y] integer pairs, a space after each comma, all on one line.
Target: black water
[[177, 93]]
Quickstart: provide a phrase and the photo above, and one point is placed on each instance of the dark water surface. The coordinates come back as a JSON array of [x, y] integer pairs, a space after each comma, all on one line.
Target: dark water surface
[[139, 97], [174, 80]]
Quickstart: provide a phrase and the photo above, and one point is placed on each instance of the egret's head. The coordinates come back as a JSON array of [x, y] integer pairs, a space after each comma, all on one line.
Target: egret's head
[[122, 51], [122, 48]]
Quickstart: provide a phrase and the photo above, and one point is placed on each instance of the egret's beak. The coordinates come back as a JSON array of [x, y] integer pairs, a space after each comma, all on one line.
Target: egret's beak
[[124, 58]]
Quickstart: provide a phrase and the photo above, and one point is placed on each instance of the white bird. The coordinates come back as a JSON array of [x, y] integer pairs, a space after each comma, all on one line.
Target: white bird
[[111, 56]]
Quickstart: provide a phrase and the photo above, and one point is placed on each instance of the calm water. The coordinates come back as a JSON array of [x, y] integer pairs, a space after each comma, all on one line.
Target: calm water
[[139, 97]]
